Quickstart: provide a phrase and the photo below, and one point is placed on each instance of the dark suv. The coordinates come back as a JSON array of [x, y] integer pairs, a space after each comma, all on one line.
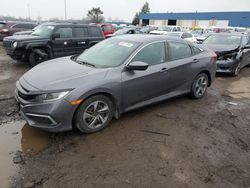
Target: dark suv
[[52, 40], [9, 28]]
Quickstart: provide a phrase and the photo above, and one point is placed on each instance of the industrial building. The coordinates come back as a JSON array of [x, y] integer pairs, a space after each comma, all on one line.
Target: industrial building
[[197, 19]]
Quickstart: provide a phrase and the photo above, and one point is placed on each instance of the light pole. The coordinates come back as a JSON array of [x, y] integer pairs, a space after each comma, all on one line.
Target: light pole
[[65, 9]]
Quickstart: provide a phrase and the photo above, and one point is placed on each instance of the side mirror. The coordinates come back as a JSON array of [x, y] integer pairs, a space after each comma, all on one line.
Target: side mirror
[[137, 65], [55, 35]]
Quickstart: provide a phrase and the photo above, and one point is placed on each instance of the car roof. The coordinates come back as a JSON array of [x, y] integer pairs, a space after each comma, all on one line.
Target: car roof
[[69, 24], [142, 38]]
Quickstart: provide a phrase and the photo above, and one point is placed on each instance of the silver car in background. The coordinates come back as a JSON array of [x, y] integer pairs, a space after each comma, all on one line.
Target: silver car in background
[[114, 76]]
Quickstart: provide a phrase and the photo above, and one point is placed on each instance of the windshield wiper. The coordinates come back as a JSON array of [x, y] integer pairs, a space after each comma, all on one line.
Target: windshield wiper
[[85, 63]]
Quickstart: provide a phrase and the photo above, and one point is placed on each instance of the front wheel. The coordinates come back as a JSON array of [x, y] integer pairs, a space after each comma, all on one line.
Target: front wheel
[[35, 58], [94, 114], [199, 86]]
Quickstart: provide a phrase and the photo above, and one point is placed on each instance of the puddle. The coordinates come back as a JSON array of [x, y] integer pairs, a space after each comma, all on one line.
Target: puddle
[[240, 88], [18, 136]]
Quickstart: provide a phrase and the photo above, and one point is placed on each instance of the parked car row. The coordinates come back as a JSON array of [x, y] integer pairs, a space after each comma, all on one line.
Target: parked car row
[[87, 88]]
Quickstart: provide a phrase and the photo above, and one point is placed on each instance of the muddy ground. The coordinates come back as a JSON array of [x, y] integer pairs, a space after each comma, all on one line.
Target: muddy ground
[[177, 143]]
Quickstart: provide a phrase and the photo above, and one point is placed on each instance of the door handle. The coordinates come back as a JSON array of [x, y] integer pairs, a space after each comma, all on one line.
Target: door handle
[[163, 70], [195, 61]]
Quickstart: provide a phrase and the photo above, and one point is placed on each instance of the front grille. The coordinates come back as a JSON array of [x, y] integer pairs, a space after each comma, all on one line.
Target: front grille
[[7, 44]]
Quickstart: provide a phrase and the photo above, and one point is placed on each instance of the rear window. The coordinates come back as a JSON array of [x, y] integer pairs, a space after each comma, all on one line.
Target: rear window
[[95, 31], [80, 32]]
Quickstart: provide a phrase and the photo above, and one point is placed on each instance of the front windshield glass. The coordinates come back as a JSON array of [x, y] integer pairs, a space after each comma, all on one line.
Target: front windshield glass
[[164, 29], [108, 53], [43, 30], [223, 40]]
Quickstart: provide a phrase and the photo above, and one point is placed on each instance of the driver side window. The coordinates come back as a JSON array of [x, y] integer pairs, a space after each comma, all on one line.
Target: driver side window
[[152, 54]]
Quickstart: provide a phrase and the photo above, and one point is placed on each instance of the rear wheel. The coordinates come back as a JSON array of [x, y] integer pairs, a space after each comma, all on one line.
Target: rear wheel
[[94, 114], [199, 86], [35, 58]]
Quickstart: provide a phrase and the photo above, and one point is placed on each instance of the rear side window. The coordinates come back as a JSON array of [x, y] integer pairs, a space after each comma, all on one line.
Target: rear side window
[[196, 50], [95, 31], [152, 54], [80, 32], [65, 32], [178, 29], [179, 50]]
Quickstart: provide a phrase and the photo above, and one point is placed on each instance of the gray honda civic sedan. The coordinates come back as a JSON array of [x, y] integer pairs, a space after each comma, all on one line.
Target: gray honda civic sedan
[[114, 76]]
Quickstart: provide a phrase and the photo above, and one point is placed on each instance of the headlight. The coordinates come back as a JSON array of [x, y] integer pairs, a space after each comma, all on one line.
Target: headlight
[[14, 44], [5, 30], [47, 97]]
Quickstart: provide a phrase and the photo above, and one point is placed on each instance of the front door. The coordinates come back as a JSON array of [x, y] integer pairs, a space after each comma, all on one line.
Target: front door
[[63, 46], [138, 86]]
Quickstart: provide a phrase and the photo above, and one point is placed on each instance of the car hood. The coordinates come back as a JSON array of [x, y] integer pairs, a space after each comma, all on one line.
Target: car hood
[[61, 73], [24, 38], [221, 48], [23, 32]]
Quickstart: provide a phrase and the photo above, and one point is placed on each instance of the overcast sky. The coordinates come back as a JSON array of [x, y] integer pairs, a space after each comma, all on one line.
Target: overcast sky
[[122, 9]]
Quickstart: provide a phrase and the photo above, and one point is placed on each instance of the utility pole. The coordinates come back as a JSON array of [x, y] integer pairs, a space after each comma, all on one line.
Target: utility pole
[[65, 9]]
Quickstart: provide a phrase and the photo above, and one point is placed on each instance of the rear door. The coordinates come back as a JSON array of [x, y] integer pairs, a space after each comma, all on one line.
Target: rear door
[[80, 39], [64, 45], [182, 67]]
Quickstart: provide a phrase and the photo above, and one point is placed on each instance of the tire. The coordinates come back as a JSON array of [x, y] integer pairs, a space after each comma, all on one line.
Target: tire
[[199, 86], [89, 119], [35, 59]]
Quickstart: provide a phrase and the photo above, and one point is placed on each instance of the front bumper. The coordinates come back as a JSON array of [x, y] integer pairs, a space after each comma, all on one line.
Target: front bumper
[[226, 66], [53, 116]]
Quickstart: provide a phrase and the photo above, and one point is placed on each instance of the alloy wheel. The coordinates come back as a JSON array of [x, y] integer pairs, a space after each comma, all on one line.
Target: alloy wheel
[[201, 86], [96, 114]]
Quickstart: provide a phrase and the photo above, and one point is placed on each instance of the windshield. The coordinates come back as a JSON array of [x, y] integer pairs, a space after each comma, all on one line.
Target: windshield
[[108, 53], [43, 30], [223, 40], [164, 29]]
